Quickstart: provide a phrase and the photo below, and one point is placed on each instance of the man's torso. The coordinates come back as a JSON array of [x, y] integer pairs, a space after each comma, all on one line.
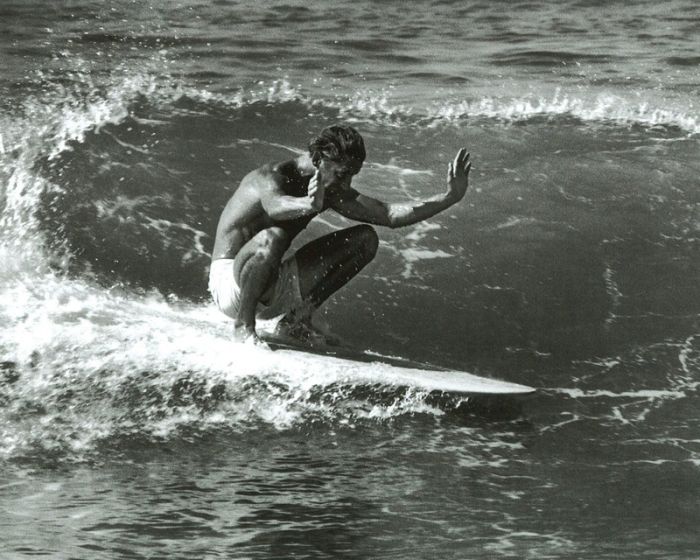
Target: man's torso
[[244, 216]]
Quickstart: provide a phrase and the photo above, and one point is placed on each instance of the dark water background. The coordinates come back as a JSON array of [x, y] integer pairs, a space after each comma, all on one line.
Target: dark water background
[[130, 425]]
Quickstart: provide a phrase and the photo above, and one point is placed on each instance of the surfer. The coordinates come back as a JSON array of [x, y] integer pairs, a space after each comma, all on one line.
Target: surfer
[[250, 275]]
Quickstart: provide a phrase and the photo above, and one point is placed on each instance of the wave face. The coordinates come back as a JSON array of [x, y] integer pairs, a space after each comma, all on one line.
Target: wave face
[[111, 206]]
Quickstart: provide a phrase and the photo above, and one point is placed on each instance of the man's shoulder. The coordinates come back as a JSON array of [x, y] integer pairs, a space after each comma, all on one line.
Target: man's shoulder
[[264, 172], [341, 197], [273, 174]]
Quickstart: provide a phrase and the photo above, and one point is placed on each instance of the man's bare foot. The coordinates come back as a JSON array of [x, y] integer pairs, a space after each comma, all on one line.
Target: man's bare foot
[[303, 331], [247, 335]]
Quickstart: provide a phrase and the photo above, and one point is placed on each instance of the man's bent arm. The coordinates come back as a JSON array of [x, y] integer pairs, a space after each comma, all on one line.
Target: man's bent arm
[[283, 207]]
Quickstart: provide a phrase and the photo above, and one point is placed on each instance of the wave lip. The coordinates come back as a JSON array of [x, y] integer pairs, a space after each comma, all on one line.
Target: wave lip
[[382, 107], [605, 108]]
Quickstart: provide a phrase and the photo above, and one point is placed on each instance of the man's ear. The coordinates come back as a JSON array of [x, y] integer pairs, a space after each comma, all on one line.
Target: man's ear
[[316, 159]]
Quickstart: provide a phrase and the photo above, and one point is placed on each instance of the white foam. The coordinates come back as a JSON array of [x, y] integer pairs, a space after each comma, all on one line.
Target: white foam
[[639, 394], [613, 291], [66, 337], [514, 221], [601, 107], [381, 106]]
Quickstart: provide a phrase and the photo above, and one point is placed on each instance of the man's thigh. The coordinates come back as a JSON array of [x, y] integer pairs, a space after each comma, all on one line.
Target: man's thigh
[[318, 258]]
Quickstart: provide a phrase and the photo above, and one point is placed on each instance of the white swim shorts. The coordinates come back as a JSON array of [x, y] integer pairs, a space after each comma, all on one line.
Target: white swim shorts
[[226, 292]]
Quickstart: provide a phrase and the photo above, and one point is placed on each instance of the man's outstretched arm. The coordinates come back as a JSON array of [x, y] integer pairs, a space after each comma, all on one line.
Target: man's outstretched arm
[[394, 215]]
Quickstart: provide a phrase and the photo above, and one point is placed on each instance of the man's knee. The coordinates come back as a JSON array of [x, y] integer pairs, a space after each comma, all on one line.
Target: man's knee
[[366, 239]]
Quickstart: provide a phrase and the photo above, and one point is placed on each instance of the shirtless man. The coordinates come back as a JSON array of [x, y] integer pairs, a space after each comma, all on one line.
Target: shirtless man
[[249, 275]]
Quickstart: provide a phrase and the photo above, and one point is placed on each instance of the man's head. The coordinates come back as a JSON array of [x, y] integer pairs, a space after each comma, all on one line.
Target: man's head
[[338, 152]]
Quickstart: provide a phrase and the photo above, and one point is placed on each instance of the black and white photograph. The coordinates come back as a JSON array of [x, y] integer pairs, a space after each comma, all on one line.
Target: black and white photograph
[[349, 280]]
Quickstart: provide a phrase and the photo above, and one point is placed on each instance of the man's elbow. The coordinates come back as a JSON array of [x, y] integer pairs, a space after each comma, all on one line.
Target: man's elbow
[[394, 220], [390, 220]]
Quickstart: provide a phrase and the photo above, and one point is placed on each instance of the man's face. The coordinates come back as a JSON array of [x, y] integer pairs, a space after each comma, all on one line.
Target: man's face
[[338, 173]]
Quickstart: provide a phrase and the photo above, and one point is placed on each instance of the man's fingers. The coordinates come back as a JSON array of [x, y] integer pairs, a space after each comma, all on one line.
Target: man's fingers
[[457, 161], [313, 183], [465, 157], [460, 159], [460, 166]]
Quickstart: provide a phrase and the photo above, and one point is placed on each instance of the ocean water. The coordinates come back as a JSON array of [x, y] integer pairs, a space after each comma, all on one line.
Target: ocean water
[[132, 427]]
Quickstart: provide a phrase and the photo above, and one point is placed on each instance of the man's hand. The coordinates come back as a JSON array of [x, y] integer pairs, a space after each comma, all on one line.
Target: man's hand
[[458, 176], [315, 193]]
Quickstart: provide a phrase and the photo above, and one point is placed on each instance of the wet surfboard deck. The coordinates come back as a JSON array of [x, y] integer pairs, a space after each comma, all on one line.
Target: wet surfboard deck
[[376, 369]]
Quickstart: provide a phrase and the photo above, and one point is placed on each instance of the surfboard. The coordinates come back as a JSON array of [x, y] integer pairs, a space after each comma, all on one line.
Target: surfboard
[[376, 369]]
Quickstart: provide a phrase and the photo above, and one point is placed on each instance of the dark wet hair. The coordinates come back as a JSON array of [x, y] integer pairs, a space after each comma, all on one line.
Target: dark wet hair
[[336, 142]]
